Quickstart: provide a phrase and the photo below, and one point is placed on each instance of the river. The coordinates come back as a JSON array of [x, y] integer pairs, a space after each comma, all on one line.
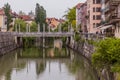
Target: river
[[54, 63]]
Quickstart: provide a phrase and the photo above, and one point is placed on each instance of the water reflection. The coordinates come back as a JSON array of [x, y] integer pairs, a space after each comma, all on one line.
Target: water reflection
[[45, 64]]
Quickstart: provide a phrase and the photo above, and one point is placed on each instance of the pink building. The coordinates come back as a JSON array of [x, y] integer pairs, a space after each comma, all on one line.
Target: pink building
[[81, 13], [93, 15]]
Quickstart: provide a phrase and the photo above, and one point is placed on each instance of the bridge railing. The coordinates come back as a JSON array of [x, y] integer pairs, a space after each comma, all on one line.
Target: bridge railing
[[42, 34], [93, 36]]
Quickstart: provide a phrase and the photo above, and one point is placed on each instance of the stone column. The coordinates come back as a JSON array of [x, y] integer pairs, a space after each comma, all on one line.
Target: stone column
[[16, 27], [49, 28], [19, 27], [43, 27], [60, 28], [43, 35], [38, 27], [29, 27]]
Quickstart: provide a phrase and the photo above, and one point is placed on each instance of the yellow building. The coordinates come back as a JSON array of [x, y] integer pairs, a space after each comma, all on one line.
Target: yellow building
[[53, 23], [3, 26]]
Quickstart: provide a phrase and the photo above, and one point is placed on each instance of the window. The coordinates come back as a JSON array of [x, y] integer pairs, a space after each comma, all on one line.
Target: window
[[98, 1], [98, 9], [94, 9], [97, 24], [93, 1], [98, 17], [94, 25], [93, 17]]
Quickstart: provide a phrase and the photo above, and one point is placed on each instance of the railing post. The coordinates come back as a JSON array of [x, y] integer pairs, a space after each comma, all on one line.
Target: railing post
[[29, 27], [60, 28], [19, 27], [71, 28], [43, 27], [49, 28], [38, 27], [16, 27]]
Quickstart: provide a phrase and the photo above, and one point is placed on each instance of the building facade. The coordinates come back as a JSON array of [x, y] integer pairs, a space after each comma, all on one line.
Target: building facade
[[112, 17], [81, 17], [93, 15], [53, 23], [78, 14], [3, 25]]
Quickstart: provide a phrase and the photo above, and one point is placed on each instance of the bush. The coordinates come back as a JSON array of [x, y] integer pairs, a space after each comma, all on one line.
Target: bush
[[107, 54]]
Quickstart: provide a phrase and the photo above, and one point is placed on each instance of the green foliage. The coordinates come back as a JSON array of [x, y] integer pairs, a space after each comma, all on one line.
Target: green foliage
[[71, 17], [7, 11], [28, 41], [21, 23], [40, 16], [64, 26], [33, 27], [31, 52], [77, 37], [71, 14], [107, 54], [92, 42]]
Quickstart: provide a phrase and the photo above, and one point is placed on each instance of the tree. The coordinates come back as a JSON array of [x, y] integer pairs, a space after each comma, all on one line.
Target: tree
[[33, 27], [40, 15], [71, 17], [64, 26], [107, 56], [21, 23], [7, 11]]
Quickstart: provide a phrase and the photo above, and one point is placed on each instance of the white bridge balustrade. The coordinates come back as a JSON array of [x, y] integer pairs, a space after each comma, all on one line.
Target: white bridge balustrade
[[42, 34], [28, 33]]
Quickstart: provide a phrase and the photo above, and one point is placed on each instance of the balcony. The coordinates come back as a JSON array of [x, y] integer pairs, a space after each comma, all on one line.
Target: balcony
[[115, 17], [114, 2]]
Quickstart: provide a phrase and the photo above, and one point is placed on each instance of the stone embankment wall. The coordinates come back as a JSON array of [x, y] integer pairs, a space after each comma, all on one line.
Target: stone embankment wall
[[7, 43], [83, 48]]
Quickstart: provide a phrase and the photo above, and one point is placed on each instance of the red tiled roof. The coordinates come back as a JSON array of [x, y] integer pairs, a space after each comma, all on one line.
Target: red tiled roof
[[2, 12], [25, 17], [14, 14]]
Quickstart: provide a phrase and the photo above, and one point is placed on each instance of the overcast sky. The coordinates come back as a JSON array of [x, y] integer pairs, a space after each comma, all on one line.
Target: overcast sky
[[54, 8]]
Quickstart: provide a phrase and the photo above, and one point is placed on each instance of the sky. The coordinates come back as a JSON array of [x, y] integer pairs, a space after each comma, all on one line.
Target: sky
[[54, 8]]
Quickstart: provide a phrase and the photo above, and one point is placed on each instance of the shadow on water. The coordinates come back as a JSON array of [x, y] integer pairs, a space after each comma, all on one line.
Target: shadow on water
[[55, 63]]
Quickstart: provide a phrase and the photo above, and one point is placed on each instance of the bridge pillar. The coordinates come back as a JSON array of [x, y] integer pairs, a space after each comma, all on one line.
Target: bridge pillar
[[19, 41], [68, 41]]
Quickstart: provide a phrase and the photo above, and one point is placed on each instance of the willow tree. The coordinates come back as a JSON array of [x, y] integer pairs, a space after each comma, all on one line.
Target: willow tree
[[7, 11], [40, 15]]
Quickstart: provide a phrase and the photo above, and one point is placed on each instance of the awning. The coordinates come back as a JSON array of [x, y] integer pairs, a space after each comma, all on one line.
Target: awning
[[105, 27]]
